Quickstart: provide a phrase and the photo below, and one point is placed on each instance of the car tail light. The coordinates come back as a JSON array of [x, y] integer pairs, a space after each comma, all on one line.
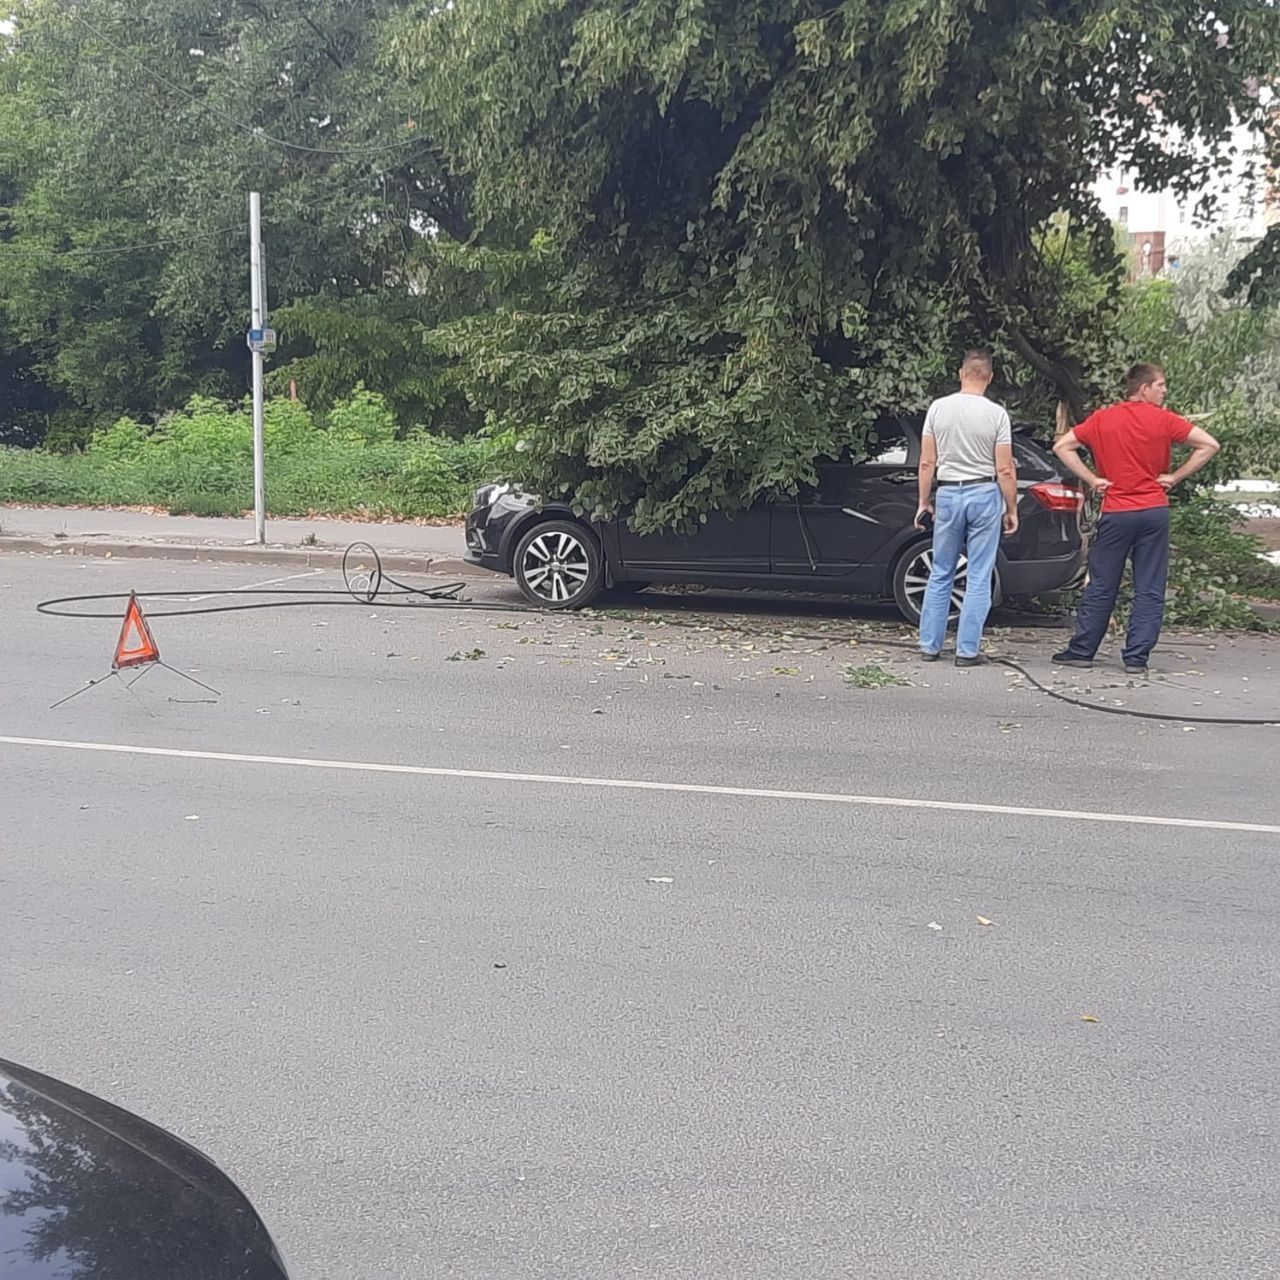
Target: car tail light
[[1058, 497]]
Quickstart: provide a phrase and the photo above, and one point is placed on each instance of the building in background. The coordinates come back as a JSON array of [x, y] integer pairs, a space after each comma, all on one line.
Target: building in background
[[1159, 224]]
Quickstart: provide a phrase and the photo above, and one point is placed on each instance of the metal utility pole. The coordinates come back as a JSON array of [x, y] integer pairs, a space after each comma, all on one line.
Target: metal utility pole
[[257, 345]]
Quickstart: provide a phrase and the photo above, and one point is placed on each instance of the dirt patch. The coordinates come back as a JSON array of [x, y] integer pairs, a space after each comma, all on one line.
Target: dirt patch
[[1266, 528]]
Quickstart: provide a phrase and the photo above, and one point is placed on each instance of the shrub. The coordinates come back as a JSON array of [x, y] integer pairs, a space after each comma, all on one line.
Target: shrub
[[124, 440], [1209, 542], [362, 418], [287, 427]]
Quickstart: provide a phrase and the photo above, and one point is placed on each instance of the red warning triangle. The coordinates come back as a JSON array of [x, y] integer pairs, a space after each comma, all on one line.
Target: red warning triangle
[[136, 646]]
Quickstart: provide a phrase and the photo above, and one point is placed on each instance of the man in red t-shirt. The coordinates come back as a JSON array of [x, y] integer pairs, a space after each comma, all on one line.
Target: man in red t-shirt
[[1132, 446]]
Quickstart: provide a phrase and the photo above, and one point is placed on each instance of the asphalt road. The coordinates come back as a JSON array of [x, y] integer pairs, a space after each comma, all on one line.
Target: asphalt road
[[478, 1019]]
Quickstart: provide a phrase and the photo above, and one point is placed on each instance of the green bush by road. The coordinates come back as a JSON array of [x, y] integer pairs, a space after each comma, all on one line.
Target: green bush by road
[[200, 461]]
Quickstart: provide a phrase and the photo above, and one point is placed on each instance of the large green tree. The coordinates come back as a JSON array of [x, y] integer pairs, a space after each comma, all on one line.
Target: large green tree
[[733, 234], [146, 123], [1222, 355]]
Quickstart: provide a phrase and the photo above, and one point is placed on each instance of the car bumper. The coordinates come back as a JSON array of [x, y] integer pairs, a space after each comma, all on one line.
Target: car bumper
[[480, 552], [1034, 577]]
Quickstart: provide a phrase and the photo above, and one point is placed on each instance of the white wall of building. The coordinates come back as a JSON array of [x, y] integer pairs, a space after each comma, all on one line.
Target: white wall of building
[[1245, 207]]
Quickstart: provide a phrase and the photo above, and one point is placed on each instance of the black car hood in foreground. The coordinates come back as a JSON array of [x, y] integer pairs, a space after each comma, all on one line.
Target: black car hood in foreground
[[91, 1192]]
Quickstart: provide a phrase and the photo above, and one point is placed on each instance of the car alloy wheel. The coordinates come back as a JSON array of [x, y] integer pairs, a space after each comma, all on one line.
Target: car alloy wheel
[[911, 580], [558, 566], [916, 580]]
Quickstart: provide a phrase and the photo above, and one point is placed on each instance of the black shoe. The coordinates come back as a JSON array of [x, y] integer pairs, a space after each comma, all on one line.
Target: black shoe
[[1131, 669], [978, 660], [929, 657], [1068, 659]]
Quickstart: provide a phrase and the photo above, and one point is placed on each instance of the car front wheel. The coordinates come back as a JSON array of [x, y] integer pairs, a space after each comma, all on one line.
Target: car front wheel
[[558, 566], [911, 579]]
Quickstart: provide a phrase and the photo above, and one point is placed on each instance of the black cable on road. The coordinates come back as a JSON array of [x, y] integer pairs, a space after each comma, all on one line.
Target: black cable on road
[[371, 587]]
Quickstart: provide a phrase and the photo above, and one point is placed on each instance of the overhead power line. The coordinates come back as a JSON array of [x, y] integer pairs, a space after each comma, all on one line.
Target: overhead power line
[[104, 251], [20, 251], [252, 130]]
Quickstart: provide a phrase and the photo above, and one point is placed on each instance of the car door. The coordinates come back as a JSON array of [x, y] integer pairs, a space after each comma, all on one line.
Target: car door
[[884, 489], [835, 528], [725, 546]]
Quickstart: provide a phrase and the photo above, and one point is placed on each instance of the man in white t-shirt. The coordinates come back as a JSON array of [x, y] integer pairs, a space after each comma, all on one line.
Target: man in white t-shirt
[[968, 445]]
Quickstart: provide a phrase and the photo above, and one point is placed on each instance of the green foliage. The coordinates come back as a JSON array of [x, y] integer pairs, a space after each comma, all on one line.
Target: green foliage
[[871, 675], [201, 503], [1199, 599], [26, 404], [362, 418], [428, 472], [68, 431], [96, 153], [1221, 355], [123, 441], [371, 340], [1215, 569], [381, 339], [200, 461], [1210, 540], [1257, 274], [730, 236], [287, 427]]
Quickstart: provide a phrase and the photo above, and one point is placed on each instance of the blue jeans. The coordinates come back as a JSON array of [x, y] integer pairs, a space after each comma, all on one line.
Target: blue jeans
[[969, 518], [1144, 535]]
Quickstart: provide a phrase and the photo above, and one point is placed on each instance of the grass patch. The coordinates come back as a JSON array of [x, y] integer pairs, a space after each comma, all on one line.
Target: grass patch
[[203, 504], [200, 462]]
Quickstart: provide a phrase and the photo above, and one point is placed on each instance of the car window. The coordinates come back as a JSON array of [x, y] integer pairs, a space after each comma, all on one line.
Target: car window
[[887, 445], [1033, 460]]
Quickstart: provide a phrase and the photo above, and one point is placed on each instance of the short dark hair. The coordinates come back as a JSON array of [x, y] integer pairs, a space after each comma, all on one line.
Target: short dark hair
[[978, 362], [1141, 375]]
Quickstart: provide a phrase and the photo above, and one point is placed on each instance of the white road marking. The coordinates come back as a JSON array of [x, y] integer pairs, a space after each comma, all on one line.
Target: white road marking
[[252, 586], [634, 784]]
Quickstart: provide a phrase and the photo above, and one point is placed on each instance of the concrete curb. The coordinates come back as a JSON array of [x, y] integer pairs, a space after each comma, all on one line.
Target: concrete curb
[[291, 557]]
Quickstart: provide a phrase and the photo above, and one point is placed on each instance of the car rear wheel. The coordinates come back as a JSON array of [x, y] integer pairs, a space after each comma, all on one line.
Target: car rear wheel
[[911, 578], [558, 566]]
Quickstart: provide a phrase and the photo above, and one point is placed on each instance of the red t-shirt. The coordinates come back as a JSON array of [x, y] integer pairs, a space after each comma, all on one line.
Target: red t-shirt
[[1132, 443]]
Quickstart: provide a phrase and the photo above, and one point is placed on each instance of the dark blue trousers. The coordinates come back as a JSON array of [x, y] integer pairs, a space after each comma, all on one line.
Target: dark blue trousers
[[1144, 536]]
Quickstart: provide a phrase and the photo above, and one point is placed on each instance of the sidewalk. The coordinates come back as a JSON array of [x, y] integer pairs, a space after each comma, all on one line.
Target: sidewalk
[[317, 542]]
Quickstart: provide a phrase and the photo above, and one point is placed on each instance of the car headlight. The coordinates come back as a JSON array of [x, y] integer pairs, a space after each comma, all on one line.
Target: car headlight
[[488, 494]]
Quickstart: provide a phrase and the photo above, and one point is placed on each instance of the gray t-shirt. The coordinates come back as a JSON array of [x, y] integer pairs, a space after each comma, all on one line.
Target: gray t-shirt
[[967, 429]]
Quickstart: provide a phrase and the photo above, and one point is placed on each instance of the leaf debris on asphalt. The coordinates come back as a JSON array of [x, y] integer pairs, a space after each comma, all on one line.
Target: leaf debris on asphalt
[[871, 675]]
